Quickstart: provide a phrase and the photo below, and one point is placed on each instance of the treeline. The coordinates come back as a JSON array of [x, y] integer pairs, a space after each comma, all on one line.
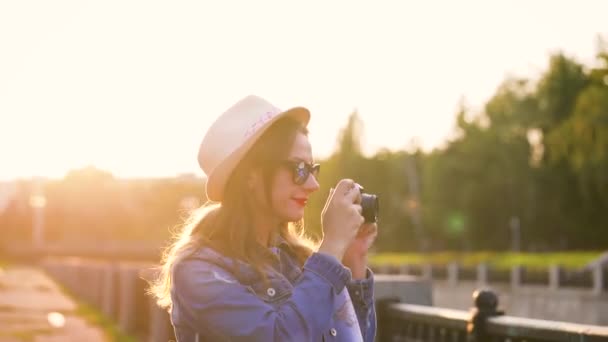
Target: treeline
[[91, 205], [530, 172]]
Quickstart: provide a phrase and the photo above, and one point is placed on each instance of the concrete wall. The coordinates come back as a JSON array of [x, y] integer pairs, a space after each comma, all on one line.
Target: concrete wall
[[545, 295], [532, 301], [408, 289]]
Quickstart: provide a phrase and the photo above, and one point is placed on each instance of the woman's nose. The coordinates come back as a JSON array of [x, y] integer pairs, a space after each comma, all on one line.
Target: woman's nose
[[311, 184]]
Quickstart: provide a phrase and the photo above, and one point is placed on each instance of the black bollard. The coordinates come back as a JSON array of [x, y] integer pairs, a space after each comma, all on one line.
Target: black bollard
[[486, 306], [383, 319]]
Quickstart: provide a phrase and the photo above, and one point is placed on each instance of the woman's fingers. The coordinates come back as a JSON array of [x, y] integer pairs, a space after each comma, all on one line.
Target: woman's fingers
[[368, 229]]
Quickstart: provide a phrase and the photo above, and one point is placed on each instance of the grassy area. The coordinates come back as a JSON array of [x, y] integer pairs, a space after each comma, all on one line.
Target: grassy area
[[95, 317], [500, 260], [25, 336]]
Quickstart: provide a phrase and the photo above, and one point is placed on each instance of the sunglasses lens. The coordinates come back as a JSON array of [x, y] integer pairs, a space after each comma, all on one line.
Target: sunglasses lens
[[301, 174], [301, 171]]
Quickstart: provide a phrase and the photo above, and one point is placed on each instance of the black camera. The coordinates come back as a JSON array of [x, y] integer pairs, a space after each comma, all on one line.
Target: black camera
[[370, 205]]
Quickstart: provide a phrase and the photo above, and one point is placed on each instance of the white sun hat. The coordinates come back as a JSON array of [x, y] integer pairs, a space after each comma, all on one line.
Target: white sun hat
[[232, 135]]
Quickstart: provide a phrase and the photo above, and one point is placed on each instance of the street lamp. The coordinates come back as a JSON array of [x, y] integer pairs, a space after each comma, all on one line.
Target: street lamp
[[37, 203], [515, 225]]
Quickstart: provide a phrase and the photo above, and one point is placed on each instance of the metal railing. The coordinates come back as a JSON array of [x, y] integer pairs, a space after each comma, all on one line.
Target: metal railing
[[591, 277], [407, 322], [118, 290]]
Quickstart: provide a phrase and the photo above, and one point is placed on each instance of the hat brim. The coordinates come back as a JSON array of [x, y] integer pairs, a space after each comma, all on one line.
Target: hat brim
[[216, 181]]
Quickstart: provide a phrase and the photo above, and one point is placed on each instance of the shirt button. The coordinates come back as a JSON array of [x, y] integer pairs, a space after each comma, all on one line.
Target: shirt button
[[271, 292], [333, 332], [356, 293]]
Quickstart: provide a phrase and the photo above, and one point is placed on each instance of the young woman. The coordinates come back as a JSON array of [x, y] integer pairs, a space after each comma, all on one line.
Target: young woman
[[242, 269]]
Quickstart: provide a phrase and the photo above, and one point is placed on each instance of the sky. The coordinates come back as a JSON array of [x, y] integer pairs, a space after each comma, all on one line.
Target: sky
[[131, 86]]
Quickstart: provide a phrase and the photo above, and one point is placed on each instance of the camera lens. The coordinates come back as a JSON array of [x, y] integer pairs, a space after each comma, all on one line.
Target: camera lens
[[370, 206]]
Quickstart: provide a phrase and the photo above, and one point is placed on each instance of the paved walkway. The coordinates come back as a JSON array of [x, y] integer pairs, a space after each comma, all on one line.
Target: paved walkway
[[33, 309]]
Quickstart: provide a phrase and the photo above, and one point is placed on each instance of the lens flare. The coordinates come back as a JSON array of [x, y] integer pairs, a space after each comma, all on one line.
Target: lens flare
[[56, 320]]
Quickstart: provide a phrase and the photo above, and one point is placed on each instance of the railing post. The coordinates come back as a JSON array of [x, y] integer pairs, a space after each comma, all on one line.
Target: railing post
[[127, 277], [160, 329], [453, 274], [486, 304], [598, 279], [383, 269], [554, 277], [109, 290], [383, 318], [482, 275], [516, 276], [427, 272]]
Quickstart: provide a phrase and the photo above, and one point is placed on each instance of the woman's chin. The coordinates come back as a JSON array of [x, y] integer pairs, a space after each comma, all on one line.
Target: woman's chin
[[295, 215]]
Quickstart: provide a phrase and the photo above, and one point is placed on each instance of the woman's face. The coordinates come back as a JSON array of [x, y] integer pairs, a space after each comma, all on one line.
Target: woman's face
[[289, 198]]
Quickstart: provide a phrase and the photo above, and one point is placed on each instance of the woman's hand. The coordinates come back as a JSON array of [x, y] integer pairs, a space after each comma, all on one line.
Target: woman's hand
[[341, 218], [355, 256]]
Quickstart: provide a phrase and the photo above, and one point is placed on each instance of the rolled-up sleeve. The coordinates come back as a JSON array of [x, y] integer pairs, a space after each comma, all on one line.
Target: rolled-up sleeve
[[213, 303], [361, 292]]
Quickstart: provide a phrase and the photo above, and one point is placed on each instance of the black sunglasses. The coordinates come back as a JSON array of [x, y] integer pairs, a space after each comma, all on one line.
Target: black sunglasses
[[301, 170]]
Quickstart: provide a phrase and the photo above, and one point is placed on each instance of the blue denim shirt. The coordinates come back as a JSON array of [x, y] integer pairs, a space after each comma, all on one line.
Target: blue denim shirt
[[211, 302]]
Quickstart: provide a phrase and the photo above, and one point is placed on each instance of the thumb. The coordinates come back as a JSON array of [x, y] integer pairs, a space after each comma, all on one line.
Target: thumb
[[329, 196]]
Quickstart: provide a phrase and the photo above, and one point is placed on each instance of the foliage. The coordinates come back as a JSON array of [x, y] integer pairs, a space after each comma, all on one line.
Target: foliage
[[498, 260], [94, 317], [91, 205]]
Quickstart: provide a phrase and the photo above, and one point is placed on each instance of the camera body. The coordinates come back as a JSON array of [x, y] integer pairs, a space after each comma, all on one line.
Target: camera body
[[370, 205]]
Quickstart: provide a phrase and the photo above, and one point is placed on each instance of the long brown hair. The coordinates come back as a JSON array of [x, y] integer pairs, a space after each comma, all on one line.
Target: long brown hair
[[227, 226]]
